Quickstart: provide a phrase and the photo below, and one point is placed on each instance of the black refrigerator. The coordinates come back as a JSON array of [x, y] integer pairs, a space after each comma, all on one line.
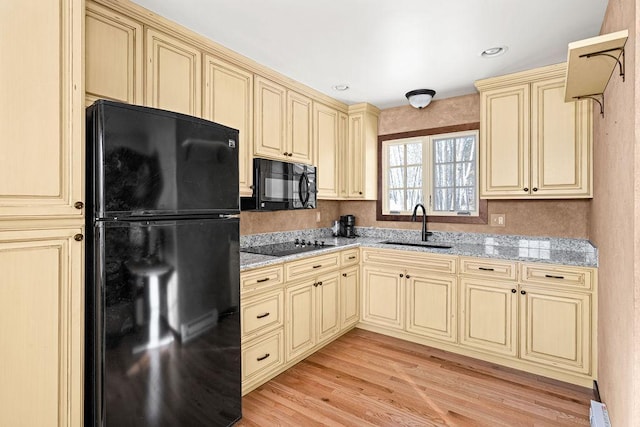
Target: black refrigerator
[[162, 269]]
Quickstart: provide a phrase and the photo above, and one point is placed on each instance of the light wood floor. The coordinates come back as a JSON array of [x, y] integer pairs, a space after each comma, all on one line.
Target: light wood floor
[[365, 379]]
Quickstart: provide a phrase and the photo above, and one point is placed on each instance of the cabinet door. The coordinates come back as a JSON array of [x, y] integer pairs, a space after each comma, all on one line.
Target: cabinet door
[[113, 56], [325, 125], [270, 113], [504, 142], [383, 297], [299, 128], [349, 297], [228, 99], [327, 306], [432, 305], [41, 131], [560, 142], [41, 325], [300, 318], [174, 80], [555, 328], [355, 156], [343, 154], [488, 316]]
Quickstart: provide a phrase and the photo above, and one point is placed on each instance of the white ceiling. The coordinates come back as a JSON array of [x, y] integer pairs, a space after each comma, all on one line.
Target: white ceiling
[[384, 48]]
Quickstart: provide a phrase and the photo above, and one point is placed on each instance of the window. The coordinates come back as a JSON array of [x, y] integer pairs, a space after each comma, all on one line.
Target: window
[[439, 171]]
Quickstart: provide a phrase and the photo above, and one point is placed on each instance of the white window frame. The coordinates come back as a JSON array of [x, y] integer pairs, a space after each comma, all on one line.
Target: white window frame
[[428, 173]]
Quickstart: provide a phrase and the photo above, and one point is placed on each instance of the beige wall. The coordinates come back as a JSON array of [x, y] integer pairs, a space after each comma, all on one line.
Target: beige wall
[[614, 227], [266, 222]]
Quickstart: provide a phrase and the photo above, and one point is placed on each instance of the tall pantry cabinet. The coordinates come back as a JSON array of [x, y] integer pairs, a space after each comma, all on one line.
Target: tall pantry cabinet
[[41, 213]]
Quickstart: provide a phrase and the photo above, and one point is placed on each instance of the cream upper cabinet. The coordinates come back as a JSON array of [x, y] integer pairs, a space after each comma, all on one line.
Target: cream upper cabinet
[[432, 305], [283, 121], [113, 56], [42, 104], [362, 153], [228, 99], [488, 315], [327, 145], [174, 74], [41, 325], [299, 128], [533, 144], [343, 154]]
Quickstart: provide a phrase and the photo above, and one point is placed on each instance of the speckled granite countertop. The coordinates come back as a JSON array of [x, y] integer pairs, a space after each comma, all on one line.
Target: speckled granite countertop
[[578, 252]]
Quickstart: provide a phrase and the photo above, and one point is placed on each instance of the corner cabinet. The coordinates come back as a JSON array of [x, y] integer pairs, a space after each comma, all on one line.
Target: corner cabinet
[[361, 153], [533, 144]]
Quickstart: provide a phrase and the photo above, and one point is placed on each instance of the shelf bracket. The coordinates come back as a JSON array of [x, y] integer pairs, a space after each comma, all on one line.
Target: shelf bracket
[[606, 53], [594, 96]]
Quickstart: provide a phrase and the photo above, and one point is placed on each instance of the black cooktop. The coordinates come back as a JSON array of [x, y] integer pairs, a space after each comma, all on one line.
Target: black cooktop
[[287, 248]]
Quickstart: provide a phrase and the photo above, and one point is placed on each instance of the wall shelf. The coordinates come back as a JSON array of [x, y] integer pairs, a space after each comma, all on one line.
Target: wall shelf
[[590, 65]]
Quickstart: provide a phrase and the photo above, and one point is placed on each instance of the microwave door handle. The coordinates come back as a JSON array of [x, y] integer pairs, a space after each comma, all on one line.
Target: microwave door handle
[[304, 178]]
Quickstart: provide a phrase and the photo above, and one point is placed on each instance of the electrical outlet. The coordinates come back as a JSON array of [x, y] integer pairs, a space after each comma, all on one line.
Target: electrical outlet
[[317, 216], [498, 220]]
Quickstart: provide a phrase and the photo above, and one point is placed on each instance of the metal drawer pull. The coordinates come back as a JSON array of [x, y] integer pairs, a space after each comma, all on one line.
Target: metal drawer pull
[[260, 359], [485, 269], [352, 257], [262, 280], [553, 277], [317, 266], [260, 316]]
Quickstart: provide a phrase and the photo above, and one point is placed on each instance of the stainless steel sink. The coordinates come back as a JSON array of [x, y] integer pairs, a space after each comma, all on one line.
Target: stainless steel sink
[[418, 244]]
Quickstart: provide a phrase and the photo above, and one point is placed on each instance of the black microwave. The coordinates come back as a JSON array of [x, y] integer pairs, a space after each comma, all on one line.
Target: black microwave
[[281, 186]]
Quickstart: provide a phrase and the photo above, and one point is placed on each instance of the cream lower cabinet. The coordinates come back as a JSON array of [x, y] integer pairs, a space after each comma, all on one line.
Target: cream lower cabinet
[[312, 313], [535, 145], [432, 305], [349, 297], [383, 296], [41, 325], [488, 316]]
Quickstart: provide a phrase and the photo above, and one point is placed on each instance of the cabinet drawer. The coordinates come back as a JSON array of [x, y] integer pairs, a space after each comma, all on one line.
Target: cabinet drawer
[[490, 268], [558, 275], [410, 259], [262, 314], [262, 356], [309, 267], [261, 278], [349, 257]]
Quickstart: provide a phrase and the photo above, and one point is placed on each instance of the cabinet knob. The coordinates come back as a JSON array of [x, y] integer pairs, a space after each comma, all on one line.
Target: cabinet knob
[[344, 274], [360, 192], [290, 154], [78, 237], [513, 291], [526, 190], [401, 275], [523, 292], [285, 153], [534, 189], [319, 283], [315, 285], [78, 205]]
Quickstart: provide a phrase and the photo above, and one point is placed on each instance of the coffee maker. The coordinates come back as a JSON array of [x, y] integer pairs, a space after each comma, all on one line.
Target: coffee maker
[[348, 226]]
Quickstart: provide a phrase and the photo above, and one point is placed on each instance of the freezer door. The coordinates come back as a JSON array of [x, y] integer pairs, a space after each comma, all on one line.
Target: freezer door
[[150, 162], [167, 319]]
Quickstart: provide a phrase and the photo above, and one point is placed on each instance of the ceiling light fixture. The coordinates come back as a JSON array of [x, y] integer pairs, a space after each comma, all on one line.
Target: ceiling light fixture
[[341, 88], [420, 98], [492, 52]]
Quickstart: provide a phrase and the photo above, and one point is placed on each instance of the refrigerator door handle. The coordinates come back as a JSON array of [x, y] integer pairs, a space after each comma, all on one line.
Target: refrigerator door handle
[[230, 216]]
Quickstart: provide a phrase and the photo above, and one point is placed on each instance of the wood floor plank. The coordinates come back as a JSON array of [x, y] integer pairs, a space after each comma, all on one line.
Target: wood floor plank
[[368, 379]]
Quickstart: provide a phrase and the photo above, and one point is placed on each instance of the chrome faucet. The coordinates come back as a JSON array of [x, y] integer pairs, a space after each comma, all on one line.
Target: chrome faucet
[[424, 219]]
